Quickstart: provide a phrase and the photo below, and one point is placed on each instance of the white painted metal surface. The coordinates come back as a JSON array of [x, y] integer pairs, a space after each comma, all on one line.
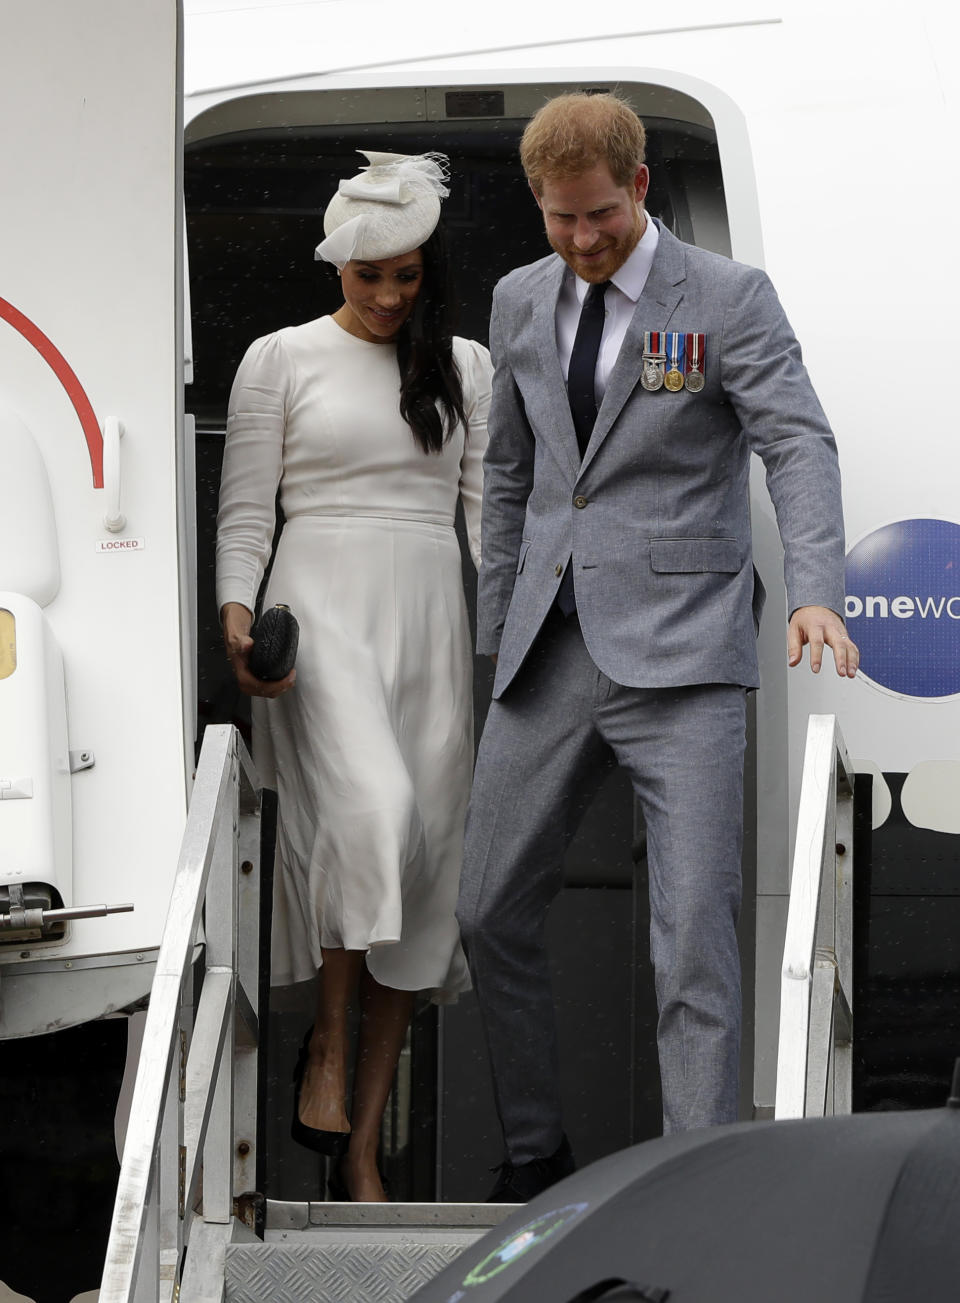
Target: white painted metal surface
[[816, 990], [930, 796], [35, 796], [29, 554], [190, 1146], [90, 331], [810, 125]]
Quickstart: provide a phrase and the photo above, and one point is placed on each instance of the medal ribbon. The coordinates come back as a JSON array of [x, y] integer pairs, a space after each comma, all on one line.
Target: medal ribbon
[[675, 350], [695, 346]]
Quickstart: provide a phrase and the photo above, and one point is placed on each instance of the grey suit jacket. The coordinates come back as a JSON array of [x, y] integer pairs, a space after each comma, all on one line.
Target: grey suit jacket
[[656, 519]]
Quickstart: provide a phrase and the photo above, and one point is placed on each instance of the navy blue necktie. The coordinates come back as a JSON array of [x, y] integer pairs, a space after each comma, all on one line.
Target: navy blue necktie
[[581, 375], [582, 393]]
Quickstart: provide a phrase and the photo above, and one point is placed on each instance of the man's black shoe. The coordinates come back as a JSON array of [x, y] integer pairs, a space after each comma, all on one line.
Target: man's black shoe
[[519, 1182]]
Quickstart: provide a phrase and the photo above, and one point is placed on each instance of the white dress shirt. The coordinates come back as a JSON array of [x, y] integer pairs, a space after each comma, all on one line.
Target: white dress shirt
[[620, 300]]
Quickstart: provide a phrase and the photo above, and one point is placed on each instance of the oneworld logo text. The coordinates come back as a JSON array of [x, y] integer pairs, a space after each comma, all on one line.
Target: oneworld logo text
[[903, 607]]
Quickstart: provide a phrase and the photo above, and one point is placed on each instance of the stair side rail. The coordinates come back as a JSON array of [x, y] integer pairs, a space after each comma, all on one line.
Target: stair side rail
[[190, 1148], [815, 1050]]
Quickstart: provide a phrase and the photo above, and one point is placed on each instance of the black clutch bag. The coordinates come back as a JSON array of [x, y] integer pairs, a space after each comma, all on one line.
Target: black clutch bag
[[275, 638]]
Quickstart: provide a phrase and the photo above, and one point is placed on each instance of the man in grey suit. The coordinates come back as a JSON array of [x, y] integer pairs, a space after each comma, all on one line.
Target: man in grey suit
[[634, 377]]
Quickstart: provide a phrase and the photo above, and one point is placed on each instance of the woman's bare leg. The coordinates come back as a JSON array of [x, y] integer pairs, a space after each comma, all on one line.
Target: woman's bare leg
[[322, 1095], [384, 1018]]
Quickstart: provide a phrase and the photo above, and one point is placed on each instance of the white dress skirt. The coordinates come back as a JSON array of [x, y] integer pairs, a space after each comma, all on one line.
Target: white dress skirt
[[371, 752]]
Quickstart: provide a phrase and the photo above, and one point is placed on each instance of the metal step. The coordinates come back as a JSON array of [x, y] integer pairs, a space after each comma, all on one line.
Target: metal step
[[352, 1253]]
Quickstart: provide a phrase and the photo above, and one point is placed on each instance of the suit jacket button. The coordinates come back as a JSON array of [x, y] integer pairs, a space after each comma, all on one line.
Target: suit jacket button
[[580, 501], [559, 571]]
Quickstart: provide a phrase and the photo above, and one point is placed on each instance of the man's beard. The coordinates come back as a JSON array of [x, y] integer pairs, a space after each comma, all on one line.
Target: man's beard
[[614, 255]]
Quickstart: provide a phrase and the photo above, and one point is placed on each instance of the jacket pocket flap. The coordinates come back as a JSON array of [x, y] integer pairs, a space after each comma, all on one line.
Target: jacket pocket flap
[[694, 555]]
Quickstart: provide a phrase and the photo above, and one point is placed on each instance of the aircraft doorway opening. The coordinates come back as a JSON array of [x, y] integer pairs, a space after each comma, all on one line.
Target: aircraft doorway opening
[[258, 174]]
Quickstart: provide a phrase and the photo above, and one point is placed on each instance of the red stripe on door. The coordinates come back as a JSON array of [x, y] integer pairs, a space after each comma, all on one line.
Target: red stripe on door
[[65, 374]]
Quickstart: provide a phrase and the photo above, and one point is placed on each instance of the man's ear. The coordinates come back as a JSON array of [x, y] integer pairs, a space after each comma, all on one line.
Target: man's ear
[[536, 196], [641, 183]]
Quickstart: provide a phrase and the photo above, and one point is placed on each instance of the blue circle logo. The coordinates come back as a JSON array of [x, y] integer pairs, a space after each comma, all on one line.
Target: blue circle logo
[[903, 607]]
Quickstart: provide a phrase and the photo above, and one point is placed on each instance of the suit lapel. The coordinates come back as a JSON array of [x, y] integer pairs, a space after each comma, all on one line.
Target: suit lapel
[[560, 428], [655, 306]]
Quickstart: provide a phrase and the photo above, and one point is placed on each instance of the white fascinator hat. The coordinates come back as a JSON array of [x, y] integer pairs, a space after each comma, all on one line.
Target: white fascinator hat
[[390, 207]]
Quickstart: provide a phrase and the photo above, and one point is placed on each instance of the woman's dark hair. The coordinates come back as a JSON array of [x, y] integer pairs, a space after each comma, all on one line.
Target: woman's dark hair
[[431, 395]]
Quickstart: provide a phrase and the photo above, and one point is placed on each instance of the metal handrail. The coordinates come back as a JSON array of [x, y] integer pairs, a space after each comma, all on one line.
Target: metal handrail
[[815, 1052], [191, 1139]]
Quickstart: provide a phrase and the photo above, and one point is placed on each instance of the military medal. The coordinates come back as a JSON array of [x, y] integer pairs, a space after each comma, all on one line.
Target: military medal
[[654, 360], [674, 350], [695, 345]]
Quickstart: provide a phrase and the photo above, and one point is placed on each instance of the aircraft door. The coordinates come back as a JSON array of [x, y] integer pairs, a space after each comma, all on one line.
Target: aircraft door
[[258, 175]]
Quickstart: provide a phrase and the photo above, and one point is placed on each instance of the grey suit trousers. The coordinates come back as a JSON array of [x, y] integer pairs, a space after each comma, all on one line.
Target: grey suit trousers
[[547, 744]]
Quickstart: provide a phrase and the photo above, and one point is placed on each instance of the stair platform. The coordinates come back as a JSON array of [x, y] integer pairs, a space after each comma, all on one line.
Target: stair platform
[[353, 1253]]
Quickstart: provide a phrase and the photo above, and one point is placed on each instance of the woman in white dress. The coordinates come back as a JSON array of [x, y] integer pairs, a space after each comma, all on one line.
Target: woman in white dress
[[372, 423]]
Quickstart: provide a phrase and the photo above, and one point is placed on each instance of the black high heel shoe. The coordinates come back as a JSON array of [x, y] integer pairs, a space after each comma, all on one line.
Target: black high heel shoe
[[332, 1143]]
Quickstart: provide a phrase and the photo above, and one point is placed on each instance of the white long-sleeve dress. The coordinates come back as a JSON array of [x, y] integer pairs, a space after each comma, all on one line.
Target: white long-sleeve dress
[[371, 752]]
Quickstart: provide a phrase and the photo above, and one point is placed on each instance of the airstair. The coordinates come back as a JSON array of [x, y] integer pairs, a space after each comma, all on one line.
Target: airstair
[[187, 1223], [189, 1226]]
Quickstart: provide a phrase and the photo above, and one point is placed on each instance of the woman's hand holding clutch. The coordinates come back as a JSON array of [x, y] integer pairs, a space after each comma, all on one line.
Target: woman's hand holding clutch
[[237, 620]]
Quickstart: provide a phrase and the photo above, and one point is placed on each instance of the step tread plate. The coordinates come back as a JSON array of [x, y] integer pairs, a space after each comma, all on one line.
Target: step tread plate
[[345, 1272]]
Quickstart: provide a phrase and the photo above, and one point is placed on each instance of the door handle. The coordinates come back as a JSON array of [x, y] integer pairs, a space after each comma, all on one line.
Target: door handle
[[113, 519]]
